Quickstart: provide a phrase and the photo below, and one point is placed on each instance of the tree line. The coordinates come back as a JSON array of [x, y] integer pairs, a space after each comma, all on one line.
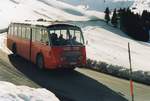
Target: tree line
[[135, 25]]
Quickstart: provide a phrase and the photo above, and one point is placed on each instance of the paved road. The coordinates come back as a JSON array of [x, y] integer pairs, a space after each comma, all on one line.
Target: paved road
[[78, 85]]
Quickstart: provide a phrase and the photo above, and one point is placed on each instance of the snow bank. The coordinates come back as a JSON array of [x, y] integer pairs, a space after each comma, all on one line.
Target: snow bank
[[119, 71], [11, 92]]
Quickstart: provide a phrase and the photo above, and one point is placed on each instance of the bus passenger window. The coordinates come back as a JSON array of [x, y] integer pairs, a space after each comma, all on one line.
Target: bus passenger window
[[28, 33], [38, 35], [33, 34], [14, 31], [23, 32], [19, 31], [10, 30], [45, 37]]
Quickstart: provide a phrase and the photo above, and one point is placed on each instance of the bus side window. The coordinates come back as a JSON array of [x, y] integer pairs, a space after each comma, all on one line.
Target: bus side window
[[45, 37], [10, 30], [23, 32], [33, 34], [28, 33], [38, 34], [42, 33], [15, 31], [19, 31]]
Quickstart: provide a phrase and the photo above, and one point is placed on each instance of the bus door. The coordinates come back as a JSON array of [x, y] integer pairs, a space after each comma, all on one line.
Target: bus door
[[40, 44], [47, 50]]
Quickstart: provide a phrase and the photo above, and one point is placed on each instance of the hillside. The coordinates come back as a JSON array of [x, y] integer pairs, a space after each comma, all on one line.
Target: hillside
[[100, 5], [140, 5]]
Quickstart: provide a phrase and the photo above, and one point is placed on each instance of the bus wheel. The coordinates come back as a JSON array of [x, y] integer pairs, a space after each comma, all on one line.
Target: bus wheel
[[14, 49], [40, 61]]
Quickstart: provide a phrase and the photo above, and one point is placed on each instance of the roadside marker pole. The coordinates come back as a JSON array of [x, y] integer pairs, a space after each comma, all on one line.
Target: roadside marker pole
[[131, 82]]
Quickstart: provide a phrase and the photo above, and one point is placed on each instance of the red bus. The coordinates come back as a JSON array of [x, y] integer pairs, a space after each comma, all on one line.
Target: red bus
[[51, 46]]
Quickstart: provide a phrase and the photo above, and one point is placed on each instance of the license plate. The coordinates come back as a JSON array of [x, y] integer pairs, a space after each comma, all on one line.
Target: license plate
[[73, 63]]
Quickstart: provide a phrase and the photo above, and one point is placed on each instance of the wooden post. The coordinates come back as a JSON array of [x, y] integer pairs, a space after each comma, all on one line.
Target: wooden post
[[131, 82]]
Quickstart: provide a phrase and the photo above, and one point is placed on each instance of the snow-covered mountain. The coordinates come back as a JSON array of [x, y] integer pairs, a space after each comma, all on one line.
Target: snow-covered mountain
[[140, 5], [100, 5], [19, 10], [12, 10]]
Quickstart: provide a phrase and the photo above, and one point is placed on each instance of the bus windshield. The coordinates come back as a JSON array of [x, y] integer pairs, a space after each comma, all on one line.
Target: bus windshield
[[62, 37]]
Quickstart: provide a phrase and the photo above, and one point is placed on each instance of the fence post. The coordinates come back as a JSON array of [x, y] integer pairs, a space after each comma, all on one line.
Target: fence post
[[131, 82]]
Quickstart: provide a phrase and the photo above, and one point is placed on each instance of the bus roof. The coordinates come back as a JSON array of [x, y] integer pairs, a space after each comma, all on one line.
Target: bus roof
[[49, 25], [63, 26]]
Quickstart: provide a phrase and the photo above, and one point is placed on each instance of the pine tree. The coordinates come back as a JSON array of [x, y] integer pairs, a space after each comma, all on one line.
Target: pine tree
[[107, 17], [114, 19]]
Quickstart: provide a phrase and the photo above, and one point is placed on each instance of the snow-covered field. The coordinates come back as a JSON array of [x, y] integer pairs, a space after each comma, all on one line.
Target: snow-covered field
[[11, 92]]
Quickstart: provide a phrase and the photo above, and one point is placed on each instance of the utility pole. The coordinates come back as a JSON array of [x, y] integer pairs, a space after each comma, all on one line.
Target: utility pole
[[131, 82]]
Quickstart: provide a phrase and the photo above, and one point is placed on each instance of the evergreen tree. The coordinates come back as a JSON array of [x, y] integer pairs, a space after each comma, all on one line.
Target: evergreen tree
[[134, 25], [121, 16], [107, 17], [114, 19]]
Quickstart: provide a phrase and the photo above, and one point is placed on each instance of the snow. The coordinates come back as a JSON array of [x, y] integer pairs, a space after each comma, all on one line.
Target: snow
[[100, 5], [110, 45], [19, 10], [140, 5], [11, 92], [105, 43]]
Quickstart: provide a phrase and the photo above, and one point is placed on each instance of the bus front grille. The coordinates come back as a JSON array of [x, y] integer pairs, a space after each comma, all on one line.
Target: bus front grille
[[72, 57]]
